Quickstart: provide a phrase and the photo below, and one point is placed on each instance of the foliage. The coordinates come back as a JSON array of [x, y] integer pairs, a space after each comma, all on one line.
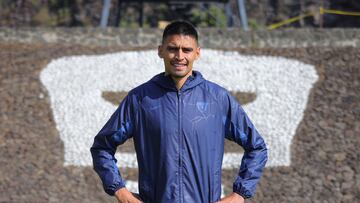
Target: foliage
[[88, 13], [254, 25]]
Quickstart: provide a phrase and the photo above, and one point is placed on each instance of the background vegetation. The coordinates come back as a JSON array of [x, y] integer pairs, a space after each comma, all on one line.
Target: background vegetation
[[50, 13]]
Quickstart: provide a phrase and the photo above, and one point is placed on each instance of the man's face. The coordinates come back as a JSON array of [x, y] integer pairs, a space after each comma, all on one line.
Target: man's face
[[179, 53]]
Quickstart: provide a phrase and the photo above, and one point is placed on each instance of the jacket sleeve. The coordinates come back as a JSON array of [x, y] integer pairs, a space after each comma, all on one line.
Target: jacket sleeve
[[116, 131], [240, 129]]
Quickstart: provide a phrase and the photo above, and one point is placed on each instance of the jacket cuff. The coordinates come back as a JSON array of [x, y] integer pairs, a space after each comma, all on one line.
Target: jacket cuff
[[112, 189], [242, 191]]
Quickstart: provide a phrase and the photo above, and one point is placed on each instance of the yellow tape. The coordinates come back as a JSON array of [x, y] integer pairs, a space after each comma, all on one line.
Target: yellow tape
[[322, 12], [288, 21], [340, 12]]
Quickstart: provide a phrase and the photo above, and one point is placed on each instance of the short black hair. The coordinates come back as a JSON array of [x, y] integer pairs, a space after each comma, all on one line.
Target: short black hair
[[180, 28]]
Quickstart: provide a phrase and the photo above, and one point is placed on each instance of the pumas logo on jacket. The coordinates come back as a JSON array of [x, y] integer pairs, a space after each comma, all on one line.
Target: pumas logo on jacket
[[202, 107]]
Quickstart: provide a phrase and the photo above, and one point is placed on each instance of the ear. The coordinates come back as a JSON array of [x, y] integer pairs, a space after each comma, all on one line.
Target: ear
[[160, 51], [197, 52]]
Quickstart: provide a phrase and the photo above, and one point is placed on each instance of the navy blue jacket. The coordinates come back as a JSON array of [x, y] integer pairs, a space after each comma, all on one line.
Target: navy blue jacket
[[179, 141]]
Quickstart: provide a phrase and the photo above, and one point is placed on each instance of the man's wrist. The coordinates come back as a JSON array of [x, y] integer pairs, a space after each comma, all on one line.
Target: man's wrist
[[122, 192], [242, 191], [238, 196]]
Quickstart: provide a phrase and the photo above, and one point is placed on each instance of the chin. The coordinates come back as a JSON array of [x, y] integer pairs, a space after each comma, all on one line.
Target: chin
[[176, 73], [180, 74]]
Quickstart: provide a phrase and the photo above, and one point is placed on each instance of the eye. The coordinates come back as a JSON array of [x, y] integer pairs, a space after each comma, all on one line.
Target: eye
[[187, 50], [172, 49]]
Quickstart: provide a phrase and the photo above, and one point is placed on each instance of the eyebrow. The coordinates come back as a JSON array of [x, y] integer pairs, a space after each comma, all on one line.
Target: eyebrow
[[177, 48]]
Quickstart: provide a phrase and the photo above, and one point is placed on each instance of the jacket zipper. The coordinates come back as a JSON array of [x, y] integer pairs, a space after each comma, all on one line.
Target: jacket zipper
[[180, 147]]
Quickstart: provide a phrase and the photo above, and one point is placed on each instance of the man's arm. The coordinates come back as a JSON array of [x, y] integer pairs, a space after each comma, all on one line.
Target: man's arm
[[241, 130], [116, 131]]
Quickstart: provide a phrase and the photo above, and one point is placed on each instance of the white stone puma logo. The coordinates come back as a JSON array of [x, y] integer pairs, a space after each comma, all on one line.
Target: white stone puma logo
[[75, 85]]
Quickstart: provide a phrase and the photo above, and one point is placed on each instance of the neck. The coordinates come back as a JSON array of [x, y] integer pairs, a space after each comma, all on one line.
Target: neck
[[180, 81]]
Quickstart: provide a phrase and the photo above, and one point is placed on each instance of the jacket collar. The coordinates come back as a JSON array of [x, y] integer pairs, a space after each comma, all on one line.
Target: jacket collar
[[166, 81]]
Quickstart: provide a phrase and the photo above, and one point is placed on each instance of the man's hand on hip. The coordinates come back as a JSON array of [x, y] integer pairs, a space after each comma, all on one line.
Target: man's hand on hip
[[232, 198], [124, 196]]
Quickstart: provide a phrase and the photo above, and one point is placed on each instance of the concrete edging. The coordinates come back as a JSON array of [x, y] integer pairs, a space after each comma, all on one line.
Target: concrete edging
[[209, 37]]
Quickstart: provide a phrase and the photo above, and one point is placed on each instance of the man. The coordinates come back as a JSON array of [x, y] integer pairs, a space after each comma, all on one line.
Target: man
[[178, 121]]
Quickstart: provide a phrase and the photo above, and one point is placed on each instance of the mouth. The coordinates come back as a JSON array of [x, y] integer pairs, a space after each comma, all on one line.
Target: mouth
[[178, 65]]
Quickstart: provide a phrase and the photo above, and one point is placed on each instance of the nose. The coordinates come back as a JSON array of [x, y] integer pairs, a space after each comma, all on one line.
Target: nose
[[179, 55]]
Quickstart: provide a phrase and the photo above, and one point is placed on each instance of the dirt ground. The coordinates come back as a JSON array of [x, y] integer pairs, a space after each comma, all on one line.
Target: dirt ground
[[325, 156]]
